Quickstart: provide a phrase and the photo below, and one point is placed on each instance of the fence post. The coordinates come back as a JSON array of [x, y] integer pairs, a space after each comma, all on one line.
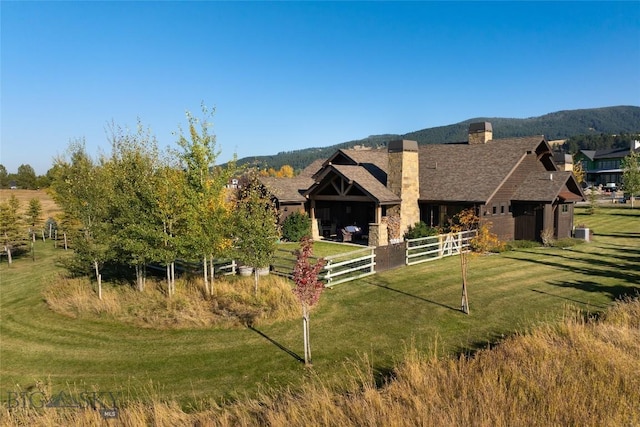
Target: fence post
[[328, 275], [406, 252], [373, 257]]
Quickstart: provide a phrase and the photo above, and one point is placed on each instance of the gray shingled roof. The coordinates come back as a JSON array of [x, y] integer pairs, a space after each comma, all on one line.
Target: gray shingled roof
[[613, 153], [287, 189], [470, 173], [373, 160], [376, 157], [314, 167], [543, 186], [448, 172], [367, 182]]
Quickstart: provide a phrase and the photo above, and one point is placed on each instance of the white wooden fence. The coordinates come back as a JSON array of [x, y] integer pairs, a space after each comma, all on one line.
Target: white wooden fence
[[226, 267], [229, 267], [436, 247], [348, 266], [338, 269], [344, 267]]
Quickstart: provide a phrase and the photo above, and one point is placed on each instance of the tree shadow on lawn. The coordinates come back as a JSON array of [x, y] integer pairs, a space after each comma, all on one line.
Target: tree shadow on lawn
[[277, 344], [623, 260], [614, 292], [588, 304], [414, 296], [632, 259], [588, 267], [382, 374], [629, 235], [631, 255], [629, 213]]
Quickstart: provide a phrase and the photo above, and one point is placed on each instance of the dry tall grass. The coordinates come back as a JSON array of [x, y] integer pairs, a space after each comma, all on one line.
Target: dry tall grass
[[580, 372], [49, 207], [233, 303]]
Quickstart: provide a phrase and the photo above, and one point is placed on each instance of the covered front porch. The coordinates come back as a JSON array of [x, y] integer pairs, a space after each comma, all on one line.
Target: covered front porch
[[350, 221], [344, 205]]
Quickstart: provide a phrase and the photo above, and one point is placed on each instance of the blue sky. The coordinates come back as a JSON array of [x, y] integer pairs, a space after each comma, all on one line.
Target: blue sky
[[290, 75]]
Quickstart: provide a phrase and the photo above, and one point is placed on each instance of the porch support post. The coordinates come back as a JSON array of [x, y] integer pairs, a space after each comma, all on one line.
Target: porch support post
[[378, 214], [315, 230]]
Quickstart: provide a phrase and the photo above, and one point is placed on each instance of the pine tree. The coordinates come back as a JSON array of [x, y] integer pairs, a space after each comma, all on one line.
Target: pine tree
[[11, 234]]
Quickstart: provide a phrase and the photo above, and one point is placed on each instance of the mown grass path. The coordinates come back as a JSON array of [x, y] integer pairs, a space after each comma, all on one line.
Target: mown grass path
[[377, 317]]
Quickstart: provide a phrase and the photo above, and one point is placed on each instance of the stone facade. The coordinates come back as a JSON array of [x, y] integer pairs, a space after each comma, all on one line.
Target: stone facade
[[378, 235], [403, 179]]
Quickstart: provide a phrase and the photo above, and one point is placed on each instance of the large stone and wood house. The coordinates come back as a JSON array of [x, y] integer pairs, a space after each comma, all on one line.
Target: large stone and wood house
[[512, 182]]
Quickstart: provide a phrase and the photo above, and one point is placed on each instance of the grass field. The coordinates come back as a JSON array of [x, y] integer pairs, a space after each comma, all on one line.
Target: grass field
[[49, 207], [376, 318]]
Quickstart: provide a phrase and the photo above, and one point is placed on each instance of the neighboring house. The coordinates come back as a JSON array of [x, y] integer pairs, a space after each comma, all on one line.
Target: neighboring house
[[513, 183], [604, 167]]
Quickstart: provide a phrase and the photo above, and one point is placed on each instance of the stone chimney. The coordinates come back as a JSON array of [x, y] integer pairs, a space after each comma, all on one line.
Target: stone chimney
[[480, 133], [403, 179]]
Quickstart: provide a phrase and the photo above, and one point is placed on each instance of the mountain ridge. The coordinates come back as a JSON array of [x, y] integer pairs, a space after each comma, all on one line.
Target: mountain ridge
[[561, 124]]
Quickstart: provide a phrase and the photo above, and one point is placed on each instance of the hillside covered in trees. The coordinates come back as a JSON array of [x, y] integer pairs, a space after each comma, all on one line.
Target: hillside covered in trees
[[601, 141], [558, 125]]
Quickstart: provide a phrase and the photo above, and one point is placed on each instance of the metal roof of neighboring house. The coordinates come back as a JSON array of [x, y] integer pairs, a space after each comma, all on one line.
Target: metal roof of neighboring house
[[590, 154], [613, 153]]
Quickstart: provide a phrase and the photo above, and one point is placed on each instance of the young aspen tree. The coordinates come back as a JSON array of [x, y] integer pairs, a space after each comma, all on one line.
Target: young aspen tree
[[171, 208], [133, 207], [465, 220], [208, 213], [484, 241], [33, 213], [82, 188], [255, 225]]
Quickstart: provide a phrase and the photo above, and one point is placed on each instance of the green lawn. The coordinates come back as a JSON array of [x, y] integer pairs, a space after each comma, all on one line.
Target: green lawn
[[323, 248], [376, 317]]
